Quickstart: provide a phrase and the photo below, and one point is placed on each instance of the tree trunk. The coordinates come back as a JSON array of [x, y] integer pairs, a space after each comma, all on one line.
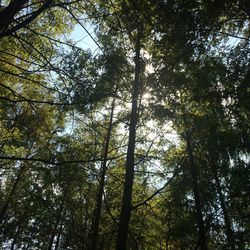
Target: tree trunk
[[227, 219], [8, 13], [60, 232], [7, 16], [129, 176], [168, 225], [15, 238], [5, 206], [59, 218], [195, 184], [102, 182]]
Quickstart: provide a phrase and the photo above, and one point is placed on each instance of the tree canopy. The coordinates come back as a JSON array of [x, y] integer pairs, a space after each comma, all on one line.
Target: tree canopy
[[140, 143]]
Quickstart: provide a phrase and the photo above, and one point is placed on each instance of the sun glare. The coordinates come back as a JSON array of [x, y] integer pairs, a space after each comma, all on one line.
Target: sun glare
[[146, 98]]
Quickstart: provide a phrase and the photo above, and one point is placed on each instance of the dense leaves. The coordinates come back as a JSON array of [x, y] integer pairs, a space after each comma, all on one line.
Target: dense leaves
[[153, 125]]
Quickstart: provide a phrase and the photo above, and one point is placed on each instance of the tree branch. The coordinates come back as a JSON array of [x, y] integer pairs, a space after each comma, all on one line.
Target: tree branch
[[162, 188]]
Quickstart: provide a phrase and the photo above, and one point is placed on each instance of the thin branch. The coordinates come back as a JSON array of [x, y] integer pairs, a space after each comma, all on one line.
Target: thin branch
[[162, 188], [54, 40], [235, 36], [56, 163], [76, 19]]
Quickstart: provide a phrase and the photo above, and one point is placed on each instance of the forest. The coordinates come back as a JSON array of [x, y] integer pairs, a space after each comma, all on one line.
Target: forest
[[140, 141]]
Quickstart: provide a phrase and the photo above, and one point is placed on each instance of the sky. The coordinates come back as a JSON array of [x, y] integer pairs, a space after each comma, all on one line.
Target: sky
[[82, 38]]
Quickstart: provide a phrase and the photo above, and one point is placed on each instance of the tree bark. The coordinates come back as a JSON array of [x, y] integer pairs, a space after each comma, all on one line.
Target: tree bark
[[102, 182], [123, 225]]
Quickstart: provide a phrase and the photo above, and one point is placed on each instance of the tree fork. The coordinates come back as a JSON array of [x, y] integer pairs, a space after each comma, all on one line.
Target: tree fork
[[123, 225]]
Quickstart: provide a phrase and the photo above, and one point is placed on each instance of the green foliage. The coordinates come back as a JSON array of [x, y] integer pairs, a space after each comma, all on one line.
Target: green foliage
[[55, 108]]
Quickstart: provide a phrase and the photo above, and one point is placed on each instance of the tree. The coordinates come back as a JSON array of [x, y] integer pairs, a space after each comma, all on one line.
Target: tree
[[141, 144]]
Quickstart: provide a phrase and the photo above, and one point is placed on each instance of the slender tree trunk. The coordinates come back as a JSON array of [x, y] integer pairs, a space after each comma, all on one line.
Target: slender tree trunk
[[27, 246], [195, 184], [60, 231], [58, 239], [123, 225], [227, 219], [5, 206], [15, 238], [51, 241], [168, 225], [102, 182], [59, 218]]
